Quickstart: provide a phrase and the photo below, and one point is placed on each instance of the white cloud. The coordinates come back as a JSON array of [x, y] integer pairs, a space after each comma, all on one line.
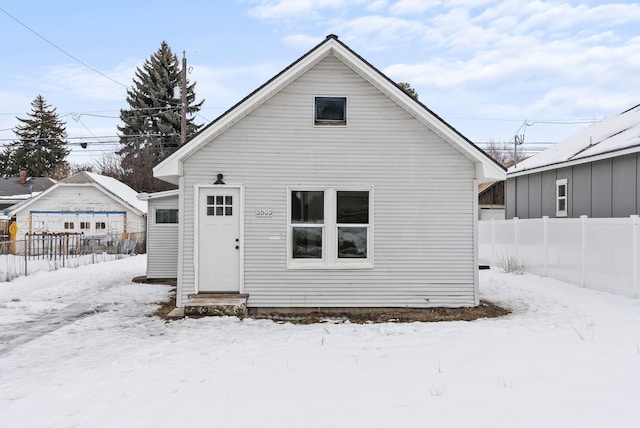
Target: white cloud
[[411, 7], [82, 82], [302, 41], [223, 87], [377, 5], [284, 10], [378, 32]]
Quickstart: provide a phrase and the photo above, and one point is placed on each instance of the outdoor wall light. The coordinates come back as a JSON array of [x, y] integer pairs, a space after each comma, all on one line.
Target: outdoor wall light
[[219, 180]]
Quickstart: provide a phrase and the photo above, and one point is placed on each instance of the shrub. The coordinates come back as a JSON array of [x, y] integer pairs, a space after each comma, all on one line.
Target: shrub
[[512, 264]]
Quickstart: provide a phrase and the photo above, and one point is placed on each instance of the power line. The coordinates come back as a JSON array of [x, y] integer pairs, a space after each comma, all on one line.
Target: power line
[[60, 49]]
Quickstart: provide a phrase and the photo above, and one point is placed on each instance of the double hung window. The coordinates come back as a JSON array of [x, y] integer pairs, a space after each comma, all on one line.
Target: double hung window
[[330, 228], [307, 219], [561, 198]]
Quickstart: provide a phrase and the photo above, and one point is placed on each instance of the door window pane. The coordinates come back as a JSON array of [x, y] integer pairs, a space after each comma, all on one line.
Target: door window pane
[[352, 242], [220, 205], [307, 242], [353, 207], [307, 207]]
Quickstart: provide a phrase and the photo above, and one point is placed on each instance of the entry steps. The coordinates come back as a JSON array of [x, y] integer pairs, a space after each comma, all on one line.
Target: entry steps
[[216, 304]]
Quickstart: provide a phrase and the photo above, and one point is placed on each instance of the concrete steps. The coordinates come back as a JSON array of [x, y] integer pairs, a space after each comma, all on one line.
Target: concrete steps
[[217, 305]]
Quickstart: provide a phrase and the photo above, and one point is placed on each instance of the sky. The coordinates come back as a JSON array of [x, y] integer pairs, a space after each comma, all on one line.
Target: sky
[[492, 69], [85, 353]]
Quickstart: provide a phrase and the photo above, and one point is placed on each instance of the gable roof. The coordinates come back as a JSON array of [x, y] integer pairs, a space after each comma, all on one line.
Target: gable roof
[[10, 187], [117, 190], [486, 167], [615, 136]]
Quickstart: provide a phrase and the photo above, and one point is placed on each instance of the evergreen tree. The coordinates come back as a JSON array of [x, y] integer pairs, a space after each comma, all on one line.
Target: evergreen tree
[[408, 89], [151, 129], [41, 148]]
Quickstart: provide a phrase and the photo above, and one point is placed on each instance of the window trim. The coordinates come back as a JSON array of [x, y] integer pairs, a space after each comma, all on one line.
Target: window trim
[[155, 216], [330, 123], [330, 259], [562, 182]]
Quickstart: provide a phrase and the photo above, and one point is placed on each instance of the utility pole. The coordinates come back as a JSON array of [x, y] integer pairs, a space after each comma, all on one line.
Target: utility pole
[[183, 93]]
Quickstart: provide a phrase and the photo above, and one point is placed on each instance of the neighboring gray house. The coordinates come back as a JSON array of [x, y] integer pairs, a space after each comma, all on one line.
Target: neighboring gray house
[[162, 234], [329, 186], [594, 173], [14, 190]]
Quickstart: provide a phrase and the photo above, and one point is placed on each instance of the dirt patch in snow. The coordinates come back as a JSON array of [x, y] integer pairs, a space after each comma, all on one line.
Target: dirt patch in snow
[[379, 315], [166, 306], [363, 315]]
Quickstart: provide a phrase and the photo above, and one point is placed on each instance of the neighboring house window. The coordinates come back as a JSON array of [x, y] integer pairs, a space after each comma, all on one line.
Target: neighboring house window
[[68, 225], [101, 225], [85, 225], [166, 215], [330, 111], [561, 198], [330, 228]]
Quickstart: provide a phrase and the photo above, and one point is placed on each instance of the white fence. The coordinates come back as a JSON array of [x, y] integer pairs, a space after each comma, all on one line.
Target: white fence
[[597, 253]]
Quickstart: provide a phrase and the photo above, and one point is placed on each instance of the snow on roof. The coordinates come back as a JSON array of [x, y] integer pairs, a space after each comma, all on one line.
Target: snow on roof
[[19, 197], [604, 138], [119, 189]]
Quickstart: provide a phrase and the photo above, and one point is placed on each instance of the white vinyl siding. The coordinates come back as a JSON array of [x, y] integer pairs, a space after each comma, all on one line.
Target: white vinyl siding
[[162, 241], [424, 192], [84, 202]]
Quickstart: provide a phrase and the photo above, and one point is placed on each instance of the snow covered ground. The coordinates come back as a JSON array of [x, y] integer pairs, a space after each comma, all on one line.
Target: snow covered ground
[[77, 350]]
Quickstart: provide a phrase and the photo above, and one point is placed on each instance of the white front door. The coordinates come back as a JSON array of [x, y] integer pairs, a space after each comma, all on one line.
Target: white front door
[[219, 240]]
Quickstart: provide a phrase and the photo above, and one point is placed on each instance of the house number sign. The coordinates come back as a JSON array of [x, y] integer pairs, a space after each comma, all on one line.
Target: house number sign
[[264, 213]]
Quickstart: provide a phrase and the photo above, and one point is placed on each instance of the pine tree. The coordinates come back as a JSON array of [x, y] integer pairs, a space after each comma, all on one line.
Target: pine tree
[[408, 89], [41, 148], [151, 129]]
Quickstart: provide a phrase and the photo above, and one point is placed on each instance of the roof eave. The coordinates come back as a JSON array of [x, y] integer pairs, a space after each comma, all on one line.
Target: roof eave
[[564, 164], [487, 169], [170, 169]]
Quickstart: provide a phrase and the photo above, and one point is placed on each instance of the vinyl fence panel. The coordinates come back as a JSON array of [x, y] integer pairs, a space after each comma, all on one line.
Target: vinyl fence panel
[[601, 254]]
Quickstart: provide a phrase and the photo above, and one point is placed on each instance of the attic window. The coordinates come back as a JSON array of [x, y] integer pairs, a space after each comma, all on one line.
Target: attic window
[[330, 111]]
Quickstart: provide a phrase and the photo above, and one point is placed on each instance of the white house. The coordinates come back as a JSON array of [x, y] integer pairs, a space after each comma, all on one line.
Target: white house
[[86, 203], [329, 186], [162, 234]]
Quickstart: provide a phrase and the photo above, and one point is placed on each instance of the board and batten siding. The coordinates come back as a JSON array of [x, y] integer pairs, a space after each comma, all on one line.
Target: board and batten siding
[[77, 198], [162, 241], [423, 193], [601, 189]]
